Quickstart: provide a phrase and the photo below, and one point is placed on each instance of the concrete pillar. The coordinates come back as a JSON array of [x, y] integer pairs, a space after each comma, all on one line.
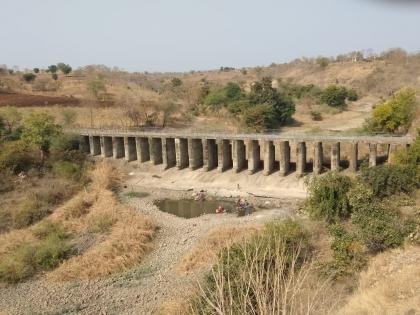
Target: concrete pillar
[[300, 158], [181, 147], [354, 148], [95, 145], [268, 150], [195, 153], [284, 157], [335, 156], [224, 153], [238, 155], [130, 149], [318, 157], [209, 154], [392, 149], [155, 146], [106, 147], [142, 148], [373, 152], [117, 147], [85, 144], [168, 151], [253, 156]]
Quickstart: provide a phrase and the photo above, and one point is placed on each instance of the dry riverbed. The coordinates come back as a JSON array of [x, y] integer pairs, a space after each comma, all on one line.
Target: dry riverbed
[[143, 289]]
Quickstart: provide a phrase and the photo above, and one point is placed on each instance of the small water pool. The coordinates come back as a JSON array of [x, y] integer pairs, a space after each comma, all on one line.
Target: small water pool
[[188, 208]]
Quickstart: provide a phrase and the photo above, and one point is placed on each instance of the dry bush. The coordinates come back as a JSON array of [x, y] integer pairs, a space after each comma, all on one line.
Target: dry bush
[[205, 253], [293, 287], [105, 176], [390, 285]]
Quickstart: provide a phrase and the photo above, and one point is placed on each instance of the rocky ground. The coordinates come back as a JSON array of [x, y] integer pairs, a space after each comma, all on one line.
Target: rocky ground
[[143, 289]]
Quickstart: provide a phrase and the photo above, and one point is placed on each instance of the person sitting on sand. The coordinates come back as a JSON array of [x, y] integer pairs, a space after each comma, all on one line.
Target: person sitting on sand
[[220, 209]]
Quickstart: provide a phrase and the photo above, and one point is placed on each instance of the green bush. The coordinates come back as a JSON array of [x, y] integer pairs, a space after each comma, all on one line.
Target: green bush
[[220, 97], [411, 157], [29, 212], [69, 170], [386, 180], [17, 156], [46, 253], [352, 95], [29, 77], [379, 226], [315, 115], [334, 96], [347, 251], [328, 197], [259, 117], [394, 114]]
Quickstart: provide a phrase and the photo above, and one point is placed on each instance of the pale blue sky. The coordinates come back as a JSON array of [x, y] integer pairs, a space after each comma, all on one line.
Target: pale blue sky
[[182, 35]]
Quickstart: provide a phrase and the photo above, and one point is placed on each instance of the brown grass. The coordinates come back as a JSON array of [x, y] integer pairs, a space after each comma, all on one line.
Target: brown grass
[[205, 253], [390, 285]]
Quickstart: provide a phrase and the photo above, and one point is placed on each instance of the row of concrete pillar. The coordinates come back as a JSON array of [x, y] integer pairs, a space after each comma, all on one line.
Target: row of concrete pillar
[[223, 154]]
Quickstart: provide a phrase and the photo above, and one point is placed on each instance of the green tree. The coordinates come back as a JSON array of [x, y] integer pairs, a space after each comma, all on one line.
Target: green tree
[[282, 105], [39, 130], [11, 118], [36, 70], [176, 82], [54, 76], [334, 96], [398, 112], [52, 68], [64, 68], [323, 62], [96, 86], [29, 77]]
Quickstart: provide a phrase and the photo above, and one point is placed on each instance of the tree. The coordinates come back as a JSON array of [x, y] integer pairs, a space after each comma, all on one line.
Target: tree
[[282, 105], [96, 86], [11, 118], [323, 62], [29, 77], [64, 68], [54, 76], [36, 70], [398, 112], [52, 68], [334, 96], [176, 82], [39, 130]]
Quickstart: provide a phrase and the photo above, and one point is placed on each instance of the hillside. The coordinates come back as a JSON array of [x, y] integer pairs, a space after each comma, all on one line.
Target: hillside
[[113, 98]]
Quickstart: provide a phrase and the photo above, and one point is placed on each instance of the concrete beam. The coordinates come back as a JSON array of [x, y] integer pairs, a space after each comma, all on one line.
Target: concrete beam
[[95, 145], [155, 145], [353, 157], [195, 153], [181, 147], [106, 147], [253, 156], [209, 154], [335, 156], [142, 149], [224, 152], [169, 156], [268, 151], [117, 147], [373, 153], [130, 153], [284, 157], [301, 158], [238, 155], [318, 158]]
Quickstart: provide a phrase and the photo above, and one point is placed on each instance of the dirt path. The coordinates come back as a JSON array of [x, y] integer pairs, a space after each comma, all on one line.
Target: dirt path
[[143, 289]]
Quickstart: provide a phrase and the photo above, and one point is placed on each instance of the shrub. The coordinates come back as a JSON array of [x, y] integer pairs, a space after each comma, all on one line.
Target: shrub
[[64, 68], [334, 96], [43, 254], [36, 70], [52, 68], [347, 251], [224, 96], [394, 114], [176, 82], [352, 95], [252, 276], [380, 227], [259, 117], [315, 115], [101, 223], [16, 157], [29, 77], [29, 212], [323, 62], [411, 157], [328, 197], [386, 180], [69, 170], [54, 76], [68, 116]]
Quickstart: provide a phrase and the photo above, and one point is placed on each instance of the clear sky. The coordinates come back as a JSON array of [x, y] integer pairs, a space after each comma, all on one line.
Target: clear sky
[[182, 35]]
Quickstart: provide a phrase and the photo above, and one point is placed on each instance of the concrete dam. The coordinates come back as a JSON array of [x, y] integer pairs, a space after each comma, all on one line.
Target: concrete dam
[[252, 152]]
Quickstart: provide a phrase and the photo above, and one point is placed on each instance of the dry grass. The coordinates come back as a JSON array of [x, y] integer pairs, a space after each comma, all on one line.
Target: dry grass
[[390, 285], [205, 253]]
